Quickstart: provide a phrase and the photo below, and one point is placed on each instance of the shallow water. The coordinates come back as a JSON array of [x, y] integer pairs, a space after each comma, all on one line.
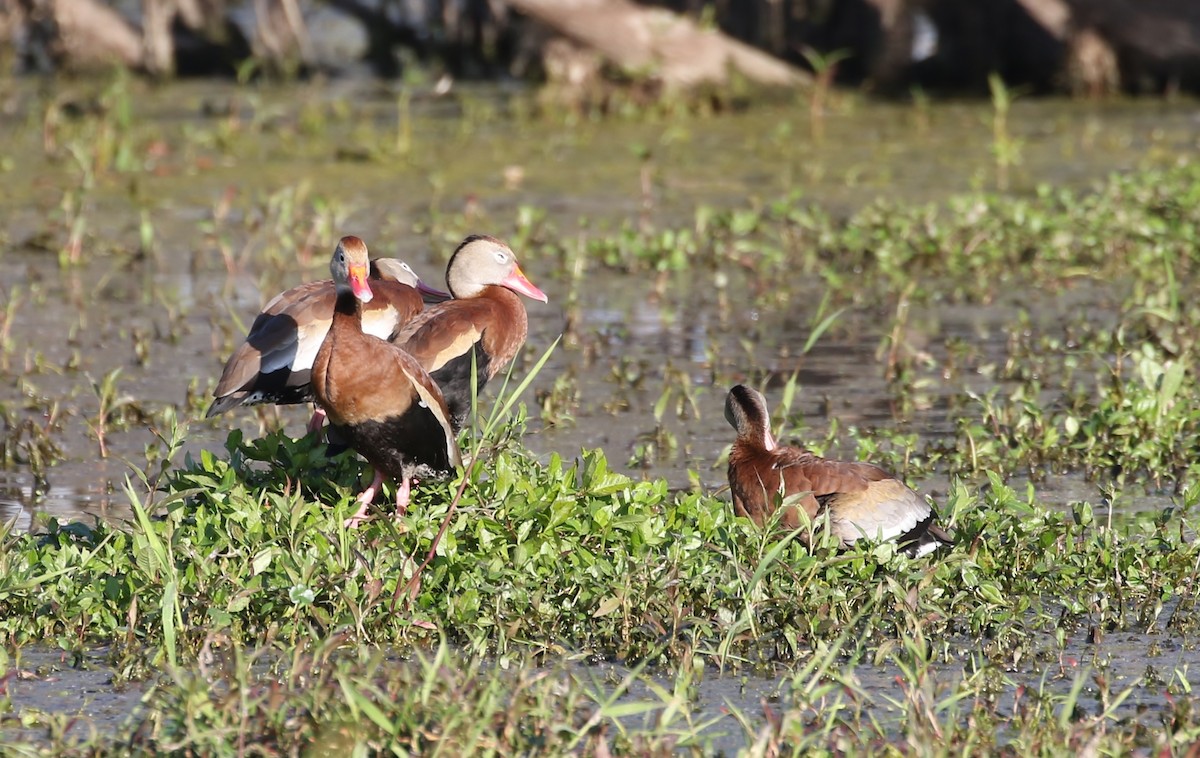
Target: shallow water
[[168, 318], [82, 689]]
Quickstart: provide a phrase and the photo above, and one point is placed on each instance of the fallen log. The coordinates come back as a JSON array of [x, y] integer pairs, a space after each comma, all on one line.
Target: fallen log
[[89, 34], [658, 43]]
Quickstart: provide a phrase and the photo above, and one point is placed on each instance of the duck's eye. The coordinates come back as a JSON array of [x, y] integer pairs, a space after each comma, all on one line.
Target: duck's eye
[[501, 256]]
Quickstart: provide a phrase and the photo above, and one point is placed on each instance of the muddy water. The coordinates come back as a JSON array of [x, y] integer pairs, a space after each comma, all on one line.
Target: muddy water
[[216, 170], [167, 319], [82, 689]]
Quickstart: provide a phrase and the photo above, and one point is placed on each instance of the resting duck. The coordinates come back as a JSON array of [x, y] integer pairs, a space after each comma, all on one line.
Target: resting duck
[[862, 500], [485, 318], [376, 395], [275, 362]]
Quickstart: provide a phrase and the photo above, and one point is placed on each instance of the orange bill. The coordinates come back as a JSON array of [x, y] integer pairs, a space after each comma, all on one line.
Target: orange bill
[[359, 284], [517, 282]]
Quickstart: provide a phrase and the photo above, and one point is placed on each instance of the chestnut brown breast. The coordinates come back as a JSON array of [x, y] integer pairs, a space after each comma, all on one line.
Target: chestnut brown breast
[[387, 406], [491, 326]]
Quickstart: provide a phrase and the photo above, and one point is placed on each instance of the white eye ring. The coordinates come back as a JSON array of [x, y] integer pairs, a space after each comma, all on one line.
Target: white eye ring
[[501, 256]]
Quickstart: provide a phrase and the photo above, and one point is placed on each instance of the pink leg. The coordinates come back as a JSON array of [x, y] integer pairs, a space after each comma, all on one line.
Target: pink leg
[[403, 495], [317, 421], [364, 502]]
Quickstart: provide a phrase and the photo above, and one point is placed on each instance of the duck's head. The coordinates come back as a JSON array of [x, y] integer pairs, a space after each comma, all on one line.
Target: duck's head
[[350, 267], [396, 270], [746, 411], [481, 261]]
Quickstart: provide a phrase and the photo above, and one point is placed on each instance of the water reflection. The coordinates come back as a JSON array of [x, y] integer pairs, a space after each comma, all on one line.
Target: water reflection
[[21, 498], [15, 517]]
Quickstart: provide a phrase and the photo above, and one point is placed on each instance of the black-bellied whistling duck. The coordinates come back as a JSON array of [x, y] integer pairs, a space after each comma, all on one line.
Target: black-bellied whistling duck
[[862, 500], [274, 364], [485, 318], [378, 397]]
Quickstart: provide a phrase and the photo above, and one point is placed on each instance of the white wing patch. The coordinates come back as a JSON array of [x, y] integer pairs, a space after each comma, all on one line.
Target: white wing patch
[[306, 352], [925, 548], [380, 323]]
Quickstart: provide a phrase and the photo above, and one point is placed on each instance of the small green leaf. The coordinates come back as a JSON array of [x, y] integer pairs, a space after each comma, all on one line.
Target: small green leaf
[[262, 561], [991, 593], [607, 606], [301, 595]]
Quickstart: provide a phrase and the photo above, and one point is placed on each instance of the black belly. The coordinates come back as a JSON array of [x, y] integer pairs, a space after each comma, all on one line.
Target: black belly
[[412, 444], [454, 379]]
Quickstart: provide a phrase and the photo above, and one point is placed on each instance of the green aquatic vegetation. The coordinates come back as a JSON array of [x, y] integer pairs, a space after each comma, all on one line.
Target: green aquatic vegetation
[[568, 553], [322, 698], [116, 410], [29, 433], [13, 298], [1006, 149], [1123, 408], [972, 248], [432, 703], [824, 66], [240, 551]]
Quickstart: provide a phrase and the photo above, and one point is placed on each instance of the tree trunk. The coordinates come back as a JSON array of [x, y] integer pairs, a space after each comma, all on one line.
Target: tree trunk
[[1090, 62], [892, 54], [280, 34]]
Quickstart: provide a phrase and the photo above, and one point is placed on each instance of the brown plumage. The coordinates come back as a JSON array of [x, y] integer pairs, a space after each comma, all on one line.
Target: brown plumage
[[485, 318], [274, 364], [376, 395], [862, 500]]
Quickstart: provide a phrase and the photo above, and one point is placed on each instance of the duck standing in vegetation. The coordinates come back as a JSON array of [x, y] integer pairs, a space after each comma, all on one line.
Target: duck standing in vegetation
[[862, 500], [376, 395], [274, 364], [485, 319]]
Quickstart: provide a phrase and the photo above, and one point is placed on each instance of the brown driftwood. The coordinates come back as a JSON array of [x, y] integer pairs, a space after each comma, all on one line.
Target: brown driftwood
[[158, 46], [89, 33], [658, 43], [1052, 15], [1091, 65]]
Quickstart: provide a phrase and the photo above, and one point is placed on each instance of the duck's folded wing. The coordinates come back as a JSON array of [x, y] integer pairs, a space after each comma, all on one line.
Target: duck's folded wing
[[440, 334], [886, 509], [429, 399]]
